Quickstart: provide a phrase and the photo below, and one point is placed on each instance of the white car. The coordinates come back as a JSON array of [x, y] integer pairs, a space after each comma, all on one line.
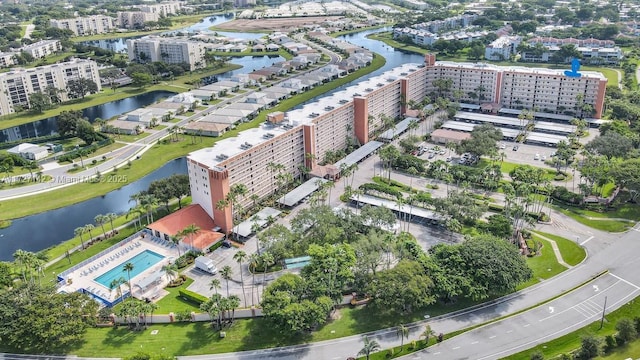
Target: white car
[[537, 157], [503, 146], [544, 157]]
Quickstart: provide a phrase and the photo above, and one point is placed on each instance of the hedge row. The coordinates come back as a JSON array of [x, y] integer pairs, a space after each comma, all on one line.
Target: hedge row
[[192, 296]]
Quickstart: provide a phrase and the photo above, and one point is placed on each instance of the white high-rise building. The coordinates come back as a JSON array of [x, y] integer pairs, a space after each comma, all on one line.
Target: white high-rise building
[[162, 9], [88, 25], [168, 50], [42, 48], [17, 84]]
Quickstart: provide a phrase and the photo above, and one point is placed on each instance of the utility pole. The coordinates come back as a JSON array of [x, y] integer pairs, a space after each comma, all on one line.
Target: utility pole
[[604, 309]]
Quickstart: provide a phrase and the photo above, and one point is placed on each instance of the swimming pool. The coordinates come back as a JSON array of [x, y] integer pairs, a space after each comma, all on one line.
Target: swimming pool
[[141, 262]]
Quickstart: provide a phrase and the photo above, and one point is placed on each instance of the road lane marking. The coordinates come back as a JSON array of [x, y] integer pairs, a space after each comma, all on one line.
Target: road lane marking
[[491, 337], [509, 331], [586, 241], [526, 325], [438, 353], [625, 281], [475, 342], [456, 348]]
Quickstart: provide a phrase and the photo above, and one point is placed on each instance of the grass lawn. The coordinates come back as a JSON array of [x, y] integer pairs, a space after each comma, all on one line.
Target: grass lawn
[[507, 167], [572, 253], [628, 351], [571, 341], [544, 266], [106, 149], [174, 303], [604, 225], [131, 138]]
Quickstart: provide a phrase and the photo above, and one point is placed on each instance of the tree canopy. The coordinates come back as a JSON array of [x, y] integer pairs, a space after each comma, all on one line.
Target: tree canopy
[[483, 141], [38, 319]]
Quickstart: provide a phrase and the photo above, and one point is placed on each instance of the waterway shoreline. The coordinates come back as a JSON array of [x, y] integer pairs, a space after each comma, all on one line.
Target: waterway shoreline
[[106, 96], [154, 158]]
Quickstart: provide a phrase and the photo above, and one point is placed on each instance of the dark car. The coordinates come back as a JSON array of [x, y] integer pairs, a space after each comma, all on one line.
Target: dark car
[[226, 244]]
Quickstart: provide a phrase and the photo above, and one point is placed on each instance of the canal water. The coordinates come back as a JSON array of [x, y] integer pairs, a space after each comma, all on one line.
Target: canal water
[[56, 226], [49, 126], [40, 231]]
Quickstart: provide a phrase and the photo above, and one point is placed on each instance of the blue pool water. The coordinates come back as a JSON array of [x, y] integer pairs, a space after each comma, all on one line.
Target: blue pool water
[[141, 262]]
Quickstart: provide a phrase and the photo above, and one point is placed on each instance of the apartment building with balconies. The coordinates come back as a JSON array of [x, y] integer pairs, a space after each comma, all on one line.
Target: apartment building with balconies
[[17, 84], [86, 25], [168, 50]]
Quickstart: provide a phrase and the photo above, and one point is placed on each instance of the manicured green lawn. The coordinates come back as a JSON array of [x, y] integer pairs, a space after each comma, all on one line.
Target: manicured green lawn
[[172, 302], [604, 225], [570, 342], [131, 138], [628, 351], [572, 253], [544, 266]]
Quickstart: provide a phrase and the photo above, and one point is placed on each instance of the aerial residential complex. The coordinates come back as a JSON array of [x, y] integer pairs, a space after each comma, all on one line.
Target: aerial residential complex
[[592, 50], [354, 113], [38, 50], [17, 84], [88, 25], [168, 50]]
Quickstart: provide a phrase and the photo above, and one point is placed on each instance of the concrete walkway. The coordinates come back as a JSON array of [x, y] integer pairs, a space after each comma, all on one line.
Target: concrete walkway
[[556, 251]]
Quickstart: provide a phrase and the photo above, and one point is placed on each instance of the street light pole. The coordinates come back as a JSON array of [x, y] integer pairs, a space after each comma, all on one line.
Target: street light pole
[[604, 309]]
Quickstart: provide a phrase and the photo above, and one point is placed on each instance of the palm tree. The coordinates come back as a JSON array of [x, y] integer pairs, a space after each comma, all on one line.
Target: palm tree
[[79, 231], [128, 267], [137, 212], [427, 333], [267, 260], [189, 231], [149, 203], [253, 261], [212, 307], [31, 165], [233, 302], [171, 270], [101, 220], [370, 346], [403, 332], [117, 284], [110, 217], [214, 285], [176, 240], [88, 228], [226, 274], [240, 256]]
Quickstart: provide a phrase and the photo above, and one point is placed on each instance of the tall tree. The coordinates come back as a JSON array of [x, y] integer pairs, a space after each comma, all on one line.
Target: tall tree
[[128, 267], [226, 275], [240, 257], [370, 346], [79, 88], [402, 332]]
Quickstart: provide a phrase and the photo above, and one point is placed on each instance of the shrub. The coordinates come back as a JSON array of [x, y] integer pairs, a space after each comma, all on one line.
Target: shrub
[[626, 330], [390, 353], [610, 343], [412, 345], [537, 356], [192, 296]]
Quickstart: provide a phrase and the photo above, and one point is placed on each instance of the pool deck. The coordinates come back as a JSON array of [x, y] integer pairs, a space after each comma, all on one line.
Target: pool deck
[[82, 278]]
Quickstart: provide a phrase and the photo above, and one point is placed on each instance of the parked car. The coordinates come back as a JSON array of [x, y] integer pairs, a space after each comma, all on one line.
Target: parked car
[[432, 155], [515, 148], [503, 146], [537, 157]]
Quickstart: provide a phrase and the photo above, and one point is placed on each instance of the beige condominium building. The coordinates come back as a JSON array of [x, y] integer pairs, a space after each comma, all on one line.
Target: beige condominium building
[[135, 19], [17, 84], [42, 48], [162, 9], [303, 136], [168, 50], [86, 25]]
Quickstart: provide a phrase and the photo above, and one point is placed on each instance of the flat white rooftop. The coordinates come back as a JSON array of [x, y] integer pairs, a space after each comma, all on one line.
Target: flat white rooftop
[[223, 149], [328, 103]]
